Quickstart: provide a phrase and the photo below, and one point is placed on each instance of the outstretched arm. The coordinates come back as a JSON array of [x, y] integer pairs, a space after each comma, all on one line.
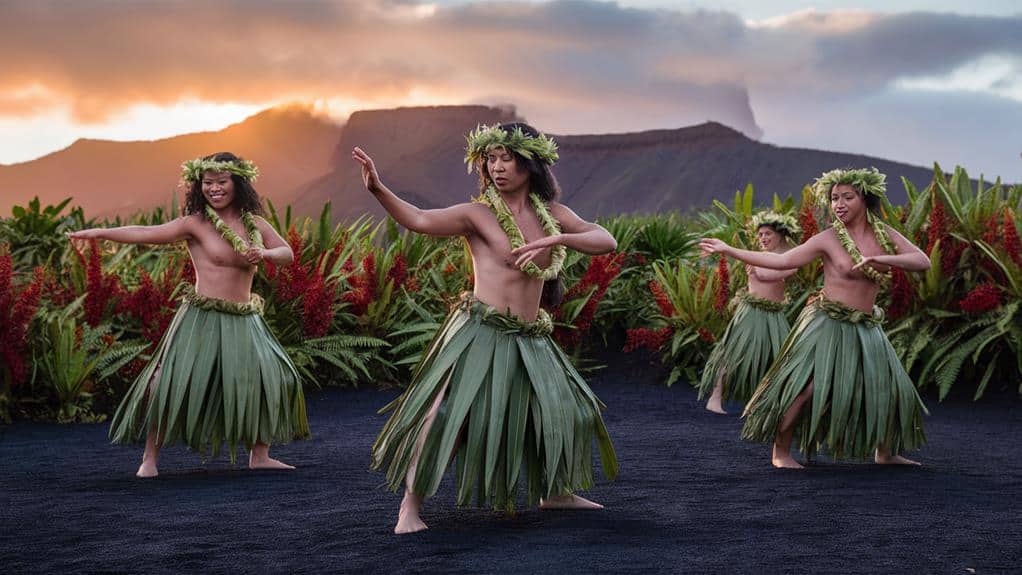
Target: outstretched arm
[[174, 231], [791, 259], [452, 221], [909, 257], [576, 233]]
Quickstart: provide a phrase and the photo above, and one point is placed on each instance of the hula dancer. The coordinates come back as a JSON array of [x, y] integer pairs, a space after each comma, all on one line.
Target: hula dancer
[[493, 388], [218, 375], [837, 361], [758, 326]]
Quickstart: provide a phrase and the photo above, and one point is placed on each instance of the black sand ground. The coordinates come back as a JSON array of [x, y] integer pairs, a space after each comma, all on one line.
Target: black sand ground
[[690, 498]]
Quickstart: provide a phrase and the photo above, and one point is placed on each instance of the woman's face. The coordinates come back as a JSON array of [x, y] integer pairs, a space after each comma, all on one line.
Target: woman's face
[[218, 189], [769, 240], [505, 172], [846, 203]]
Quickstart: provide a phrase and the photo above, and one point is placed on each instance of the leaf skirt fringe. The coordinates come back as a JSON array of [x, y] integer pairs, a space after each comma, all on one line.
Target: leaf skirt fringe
[[512, 404], [216, 377], [862, 396], [745, 352]]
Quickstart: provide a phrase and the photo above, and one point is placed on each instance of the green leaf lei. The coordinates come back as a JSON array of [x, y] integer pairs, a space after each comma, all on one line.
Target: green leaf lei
[[484, 138], [507, 223], [783, 223], [883, 279], [255, 238], [192, 170]]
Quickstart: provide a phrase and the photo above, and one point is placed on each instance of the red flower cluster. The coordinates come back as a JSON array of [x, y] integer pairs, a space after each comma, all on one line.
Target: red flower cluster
[[101, 289], [151, 305], [951, 254], [723, 286], [317, 306], [601, 271], [1012, 244], [297, 280], [663, 301], [705, 335], [982, 298], [398, 271], [902, 294], [807, 220], [363, 286], [938, 227], [701, 282], [644, 337], [17, 307]]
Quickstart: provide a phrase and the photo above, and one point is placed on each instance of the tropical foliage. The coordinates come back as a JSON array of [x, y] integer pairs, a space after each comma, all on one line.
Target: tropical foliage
[[79, 320]]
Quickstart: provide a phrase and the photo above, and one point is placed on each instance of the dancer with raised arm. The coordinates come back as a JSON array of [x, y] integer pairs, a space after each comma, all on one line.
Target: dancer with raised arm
[[218, 375], [758, 327], [837, 381], [493, 388]]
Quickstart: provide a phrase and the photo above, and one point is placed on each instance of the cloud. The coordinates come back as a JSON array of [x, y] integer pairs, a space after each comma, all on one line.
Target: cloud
[[571, 66]]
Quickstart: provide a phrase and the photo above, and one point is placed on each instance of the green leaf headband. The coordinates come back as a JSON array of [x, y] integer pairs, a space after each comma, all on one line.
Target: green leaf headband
[[866, 181], [785, 224], [192, 170], [484, 138]]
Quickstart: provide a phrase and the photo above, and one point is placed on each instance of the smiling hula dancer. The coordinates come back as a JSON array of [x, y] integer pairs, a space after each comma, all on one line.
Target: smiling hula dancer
[[218, 375], [759, 325], [493, 388], [837, 381]]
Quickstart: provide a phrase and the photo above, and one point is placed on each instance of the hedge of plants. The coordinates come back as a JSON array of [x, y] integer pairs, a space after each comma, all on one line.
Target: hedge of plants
[[78, 320]]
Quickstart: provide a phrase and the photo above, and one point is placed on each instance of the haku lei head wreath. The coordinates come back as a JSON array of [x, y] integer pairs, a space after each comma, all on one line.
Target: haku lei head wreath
[[192, 170], [865, 180], [485, 138], [784, 224]]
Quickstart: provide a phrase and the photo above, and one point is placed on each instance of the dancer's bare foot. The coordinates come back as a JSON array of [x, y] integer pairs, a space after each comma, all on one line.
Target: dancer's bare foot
[[568, 502], [782, 459], [715, 406], [408, 520], [715, 403], [147, 469], [259, 458], [267, 463], [884, 457]]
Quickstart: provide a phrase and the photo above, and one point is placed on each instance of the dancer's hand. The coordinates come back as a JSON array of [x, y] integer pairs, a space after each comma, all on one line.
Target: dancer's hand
[[865, 260], [529, 251], [370, 177], [712, 246], [254, 255]]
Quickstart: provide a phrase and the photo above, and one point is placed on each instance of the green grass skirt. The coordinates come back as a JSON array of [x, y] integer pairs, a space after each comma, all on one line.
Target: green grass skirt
[[218, 376], [747, 349], [513, 403], [862, 396]]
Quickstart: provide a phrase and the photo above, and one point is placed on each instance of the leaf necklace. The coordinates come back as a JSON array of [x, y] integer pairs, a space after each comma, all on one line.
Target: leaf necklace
[[255, 238], [514, 235], [883, 279]]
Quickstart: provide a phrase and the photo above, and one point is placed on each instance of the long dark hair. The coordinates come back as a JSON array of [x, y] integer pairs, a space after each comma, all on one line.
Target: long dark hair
[[245, 196], [542, 183]]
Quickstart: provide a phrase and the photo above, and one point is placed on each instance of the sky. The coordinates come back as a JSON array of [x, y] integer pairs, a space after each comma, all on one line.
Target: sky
[[910, 80]]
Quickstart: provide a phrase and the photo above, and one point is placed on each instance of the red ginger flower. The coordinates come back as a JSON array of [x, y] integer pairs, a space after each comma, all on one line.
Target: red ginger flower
[[663, 301], [101, 288], [982, 298], [601, 271], [807, 221], [1012, 244], [938, 227], [17, 307], [705, 335], [723, 286], [901, 294], [644, 337]]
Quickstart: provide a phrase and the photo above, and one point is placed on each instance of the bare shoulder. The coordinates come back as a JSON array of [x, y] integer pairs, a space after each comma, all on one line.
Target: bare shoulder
[[565, 215]]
